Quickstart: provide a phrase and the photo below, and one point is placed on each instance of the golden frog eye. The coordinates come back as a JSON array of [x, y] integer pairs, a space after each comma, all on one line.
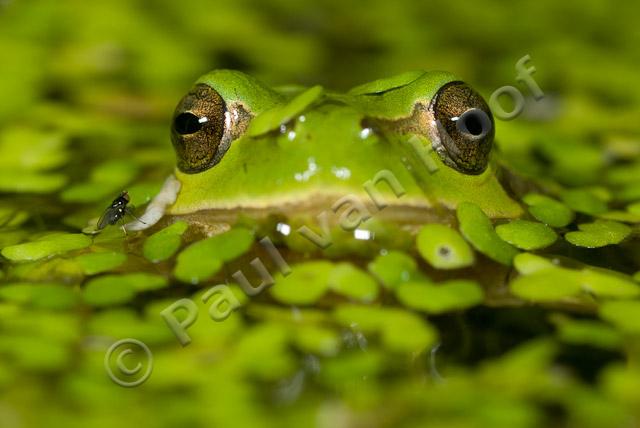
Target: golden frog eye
[[465, 128], [197, 129]]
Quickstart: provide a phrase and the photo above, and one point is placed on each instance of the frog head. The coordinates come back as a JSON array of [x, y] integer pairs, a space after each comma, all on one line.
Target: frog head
[[243, 146]]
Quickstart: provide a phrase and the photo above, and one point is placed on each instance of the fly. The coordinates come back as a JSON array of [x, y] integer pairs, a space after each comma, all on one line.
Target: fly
[[116, 212]]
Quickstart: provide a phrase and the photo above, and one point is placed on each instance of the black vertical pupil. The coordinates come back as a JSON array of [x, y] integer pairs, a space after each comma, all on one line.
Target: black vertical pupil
[[187, 123]]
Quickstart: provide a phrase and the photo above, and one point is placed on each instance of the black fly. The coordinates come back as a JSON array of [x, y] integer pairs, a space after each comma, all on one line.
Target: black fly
[[116, 212]]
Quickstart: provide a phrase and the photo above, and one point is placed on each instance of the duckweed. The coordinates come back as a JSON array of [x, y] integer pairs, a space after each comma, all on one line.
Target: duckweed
[[439, 298], [163, 245], [548, 210], [598, 234], [393, 268], [478, 230], [389, 331], [116, 289], [205, 258], [306, 284], [351, 282], [99, 262], [443, 247], [584, 201], [622, 314], [46, 246], [526, 235]]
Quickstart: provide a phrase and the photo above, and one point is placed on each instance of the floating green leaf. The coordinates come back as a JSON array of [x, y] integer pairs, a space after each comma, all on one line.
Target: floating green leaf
[[443, 247], [116, 289], [46, 296], [587, 332], [317, 340], [351, 282], [598, 234], [48, 245], [94, 263], [527, 235], [29, 149], [106, 182], [438, 298], [305, 285], [548, 210], [393, 268], [108, 291], [624, 314], [163, 244], [477, 229], [605, 283], [406, 332], [585, 201], [547, 285], [30, 182], [205, 258], [526, 263]]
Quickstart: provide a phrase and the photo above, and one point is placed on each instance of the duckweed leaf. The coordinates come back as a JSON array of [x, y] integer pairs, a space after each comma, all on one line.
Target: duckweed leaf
[[94, 263], [624, 314], [634, 208], [393, 268], [163, 244], [598, 234], [49, 245], [10, 217], [28, 149], [526, 235], [400, 330], [108, 291], [608, 284], [351, 282], [36, 353], [439, 298], [305, 285], [547, 285], [443, 247], [478, 230], [406, 332], [205, 258], [587, 332], [622, 216], [548, 210], [360, 317], [585, 201], [106, 182], [46, 296], [269, 340], [272, 119], [317, 340], [526, 263], [30, 182], [115, 289]]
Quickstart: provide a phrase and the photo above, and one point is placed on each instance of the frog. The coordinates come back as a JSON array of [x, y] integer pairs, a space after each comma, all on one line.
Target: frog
[[408, 148]]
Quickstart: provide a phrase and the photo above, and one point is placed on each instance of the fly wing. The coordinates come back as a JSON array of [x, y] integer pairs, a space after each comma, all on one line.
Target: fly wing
[[108, 217]]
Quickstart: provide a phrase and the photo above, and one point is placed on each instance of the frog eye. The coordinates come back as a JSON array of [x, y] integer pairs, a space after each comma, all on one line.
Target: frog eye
[[198, 129], [465, 128]]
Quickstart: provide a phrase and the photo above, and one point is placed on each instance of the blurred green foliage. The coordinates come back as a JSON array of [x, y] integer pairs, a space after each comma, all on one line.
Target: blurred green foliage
[[87, 92]]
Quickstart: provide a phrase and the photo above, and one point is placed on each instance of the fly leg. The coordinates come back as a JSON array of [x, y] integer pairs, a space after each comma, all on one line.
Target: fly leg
[[129, 210]]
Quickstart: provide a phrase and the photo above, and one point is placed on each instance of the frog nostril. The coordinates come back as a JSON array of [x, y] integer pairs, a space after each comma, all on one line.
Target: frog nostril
[[474, 122], [187, 123]]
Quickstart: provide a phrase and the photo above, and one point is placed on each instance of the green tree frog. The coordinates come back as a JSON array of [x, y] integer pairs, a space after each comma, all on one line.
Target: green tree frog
[[417, 144]]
